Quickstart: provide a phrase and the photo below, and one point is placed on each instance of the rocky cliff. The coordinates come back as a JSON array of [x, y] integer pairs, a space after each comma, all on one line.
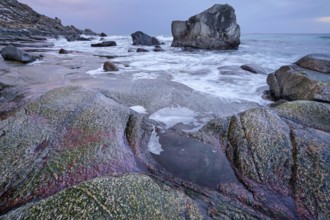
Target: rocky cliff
[[20, 20]]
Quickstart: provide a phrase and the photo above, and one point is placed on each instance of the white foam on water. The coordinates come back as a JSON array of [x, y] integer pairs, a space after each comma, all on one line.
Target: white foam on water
[[144, 75], [154, 145], [97, 71], [198, 69], [139, 109], [36, 63], [172, 116]]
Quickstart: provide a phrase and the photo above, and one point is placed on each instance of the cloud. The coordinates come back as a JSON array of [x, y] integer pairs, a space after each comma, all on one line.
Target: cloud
[[323, 19]]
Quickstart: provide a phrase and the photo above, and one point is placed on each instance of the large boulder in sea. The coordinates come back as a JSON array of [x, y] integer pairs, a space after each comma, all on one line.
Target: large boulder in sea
[[214, 28], [140, 38], [307, 79], [67, 136], [11, 53]]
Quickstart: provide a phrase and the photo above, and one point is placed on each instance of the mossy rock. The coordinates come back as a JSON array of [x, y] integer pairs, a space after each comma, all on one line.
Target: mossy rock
[[311, 173], [308, 113], [261, 146], [67, 136], [133, 196]]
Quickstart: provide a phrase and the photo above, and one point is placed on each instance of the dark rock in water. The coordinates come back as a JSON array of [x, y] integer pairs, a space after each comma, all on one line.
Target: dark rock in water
[[20, 20], [134, 196], [316, 62], [140, 38], [158, 49], [215, 28], [63, 51], [108, 66], [103, 35], [11, 53], [296, 83], [142, 50], [253, 68], [105, 44]]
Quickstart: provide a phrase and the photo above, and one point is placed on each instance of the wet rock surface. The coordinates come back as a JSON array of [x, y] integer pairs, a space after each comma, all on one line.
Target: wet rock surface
[[194, 161], [215, 28]]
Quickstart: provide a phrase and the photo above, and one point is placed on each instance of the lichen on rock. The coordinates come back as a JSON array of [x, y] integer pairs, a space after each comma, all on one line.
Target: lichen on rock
[[125, 197]]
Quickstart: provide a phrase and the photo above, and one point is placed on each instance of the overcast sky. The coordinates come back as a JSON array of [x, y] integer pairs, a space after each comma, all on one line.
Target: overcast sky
[[155, 16]]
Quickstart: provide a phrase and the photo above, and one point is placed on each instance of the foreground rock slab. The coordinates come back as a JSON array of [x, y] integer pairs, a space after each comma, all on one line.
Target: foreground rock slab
[[215, 28], [67, 136], [123, 197], [281, 154]]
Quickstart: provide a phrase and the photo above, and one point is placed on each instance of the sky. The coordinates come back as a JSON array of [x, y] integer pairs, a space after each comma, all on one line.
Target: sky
[[123, 17]]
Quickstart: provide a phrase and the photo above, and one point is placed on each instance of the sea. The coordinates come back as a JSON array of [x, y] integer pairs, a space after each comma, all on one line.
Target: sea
[[209, 71]]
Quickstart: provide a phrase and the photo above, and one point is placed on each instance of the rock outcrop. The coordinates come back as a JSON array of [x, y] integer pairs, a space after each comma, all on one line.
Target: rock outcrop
[[215, 28], [140, 38], [308, 79], [11, 53], [286, 151], [20, 20]]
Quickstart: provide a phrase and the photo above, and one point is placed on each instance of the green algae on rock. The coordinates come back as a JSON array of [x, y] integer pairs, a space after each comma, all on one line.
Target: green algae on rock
[[133, 196], [67, 136]]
